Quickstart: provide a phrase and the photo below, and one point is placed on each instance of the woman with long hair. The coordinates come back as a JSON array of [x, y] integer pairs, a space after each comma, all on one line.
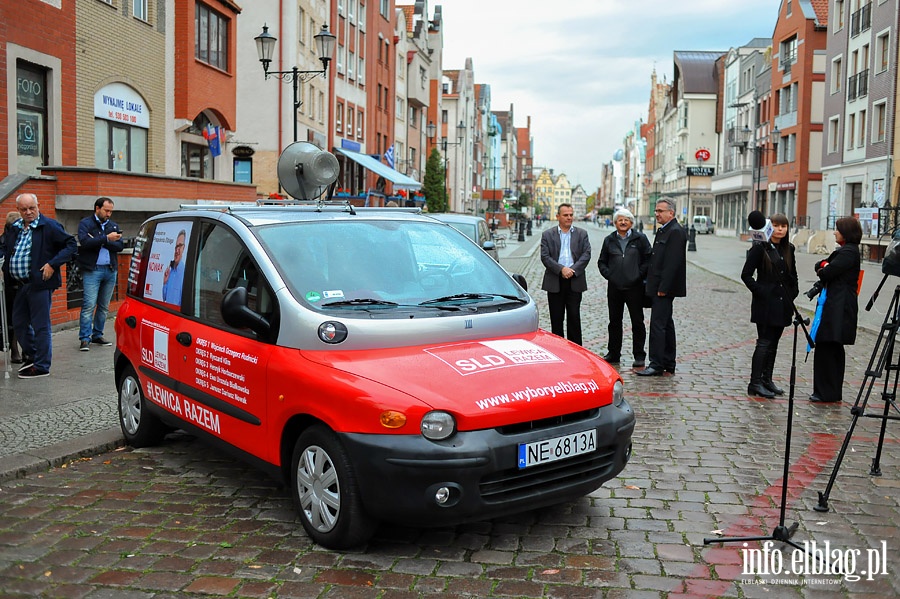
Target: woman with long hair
[[839, 278], [770, 273]]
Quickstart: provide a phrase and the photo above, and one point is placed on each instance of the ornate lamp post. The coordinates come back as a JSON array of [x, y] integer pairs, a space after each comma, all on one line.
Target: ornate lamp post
[[265, 47]]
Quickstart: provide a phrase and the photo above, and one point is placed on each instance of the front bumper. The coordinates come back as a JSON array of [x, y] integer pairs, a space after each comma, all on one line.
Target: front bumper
[[400, 475]]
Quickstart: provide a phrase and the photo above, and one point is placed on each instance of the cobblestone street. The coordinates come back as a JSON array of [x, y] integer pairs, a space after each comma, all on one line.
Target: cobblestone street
[[182, 520]]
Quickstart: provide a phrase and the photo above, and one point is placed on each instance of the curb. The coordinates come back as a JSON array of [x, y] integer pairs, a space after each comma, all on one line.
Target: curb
[[42, 459]]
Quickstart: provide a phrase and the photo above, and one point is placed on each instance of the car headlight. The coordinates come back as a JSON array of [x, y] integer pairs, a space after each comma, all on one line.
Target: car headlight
[[438, 425], [618, 394]]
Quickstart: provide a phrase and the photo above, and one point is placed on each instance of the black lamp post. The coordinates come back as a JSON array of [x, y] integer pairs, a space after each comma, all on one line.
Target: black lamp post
[[265, 47], [758, 149], [431, 131]]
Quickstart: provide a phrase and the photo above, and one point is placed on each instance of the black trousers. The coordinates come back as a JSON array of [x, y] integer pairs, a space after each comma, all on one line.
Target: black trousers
[[828, 370], [565, 306], [662, 334], [634, 299]]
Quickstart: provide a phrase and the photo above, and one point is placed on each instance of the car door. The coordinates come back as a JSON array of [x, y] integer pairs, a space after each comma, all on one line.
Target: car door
[[222, 369]]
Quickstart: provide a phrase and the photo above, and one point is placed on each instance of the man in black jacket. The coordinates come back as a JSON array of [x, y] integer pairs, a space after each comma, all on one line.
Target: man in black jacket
[[100, 241], [624, 260], [34, 257], [666, 280]]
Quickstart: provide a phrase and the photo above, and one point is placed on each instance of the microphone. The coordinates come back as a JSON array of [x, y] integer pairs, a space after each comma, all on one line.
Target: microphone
[[760, 227]]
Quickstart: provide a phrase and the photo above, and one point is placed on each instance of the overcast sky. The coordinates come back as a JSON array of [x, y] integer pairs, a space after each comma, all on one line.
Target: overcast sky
[[581, 68]]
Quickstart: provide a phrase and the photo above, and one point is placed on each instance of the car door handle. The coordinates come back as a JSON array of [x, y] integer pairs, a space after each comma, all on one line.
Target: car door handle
[[184, 339]]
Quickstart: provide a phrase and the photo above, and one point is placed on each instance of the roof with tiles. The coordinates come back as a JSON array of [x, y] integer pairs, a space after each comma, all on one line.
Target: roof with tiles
[[817, 9]]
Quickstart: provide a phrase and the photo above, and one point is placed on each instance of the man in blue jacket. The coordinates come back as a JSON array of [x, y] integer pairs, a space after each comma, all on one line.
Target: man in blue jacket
[[34, 257], [99, 241]]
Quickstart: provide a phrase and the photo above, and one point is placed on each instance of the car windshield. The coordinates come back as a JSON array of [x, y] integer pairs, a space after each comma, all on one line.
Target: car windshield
[[385, 264]]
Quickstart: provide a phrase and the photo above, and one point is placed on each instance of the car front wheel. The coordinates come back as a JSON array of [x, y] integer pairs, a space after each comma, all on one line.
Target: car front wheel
[[324, 489]]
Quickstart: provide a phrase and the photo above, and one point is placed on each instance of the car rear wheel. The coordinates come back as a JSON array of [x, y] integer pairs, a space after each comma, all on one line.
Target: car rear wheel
[[139, 426], [325, 491]]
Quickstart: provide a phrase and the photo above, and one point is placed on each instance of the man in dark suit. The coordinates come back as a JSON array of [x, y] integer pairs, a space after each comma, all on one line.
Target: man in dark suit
[[565, 253], [666, 280]]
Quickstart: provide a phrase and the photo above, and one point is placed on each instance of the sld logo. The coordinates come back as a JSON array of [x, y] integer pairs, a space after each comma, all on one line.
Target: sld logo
[[485, 362]]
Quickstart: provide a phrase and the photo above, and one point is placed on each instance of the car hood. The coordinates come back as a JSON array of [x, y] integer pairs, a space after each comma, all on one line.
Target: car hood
[[488, 383]]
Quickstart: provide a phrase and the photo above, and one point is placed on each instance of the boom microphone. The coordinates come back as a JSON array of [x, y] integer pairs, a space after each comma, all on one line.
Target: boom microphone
[[760, 226]]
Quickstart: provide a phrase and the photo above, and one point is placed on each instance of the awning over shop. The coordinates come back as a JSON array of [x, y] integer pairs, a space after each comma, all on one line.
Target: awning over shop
[[398, 179]]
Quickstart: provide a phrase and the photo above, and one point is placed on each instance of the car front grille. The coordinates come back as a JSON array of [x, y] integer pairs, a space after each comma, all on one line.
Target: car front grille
[[514, 484], [536, 425]]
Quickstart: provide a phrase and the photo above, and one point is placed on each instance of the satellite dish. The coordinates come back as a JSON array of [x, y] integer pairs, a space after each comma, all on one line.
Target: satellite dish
[[305, 171]]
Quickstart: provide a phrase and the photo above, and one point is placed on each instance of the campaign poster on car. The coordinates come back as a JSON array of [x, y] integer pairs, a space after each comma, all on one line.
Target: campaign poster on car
[[168, 258]]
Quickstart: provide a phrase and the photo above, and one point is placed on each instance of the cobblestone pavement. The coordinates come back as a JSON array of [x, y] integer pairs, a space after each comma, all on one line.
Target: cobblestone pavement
[[181, 520]]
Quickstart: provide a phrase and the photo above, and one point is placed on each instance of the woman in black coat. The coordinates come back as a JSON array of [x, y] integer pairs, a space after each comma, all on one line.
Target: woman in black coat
[[839, 276], [774, 288]]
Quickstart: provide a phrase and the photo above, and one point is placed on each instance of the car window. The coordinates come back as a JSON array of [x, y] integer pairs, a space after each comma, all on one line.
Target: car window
[[223, 263], [405, 262]]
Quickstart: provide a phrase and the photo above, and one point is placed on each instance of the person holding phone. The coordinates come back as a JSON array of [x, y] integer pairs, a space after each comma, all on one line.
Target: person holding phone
[[99, 241]]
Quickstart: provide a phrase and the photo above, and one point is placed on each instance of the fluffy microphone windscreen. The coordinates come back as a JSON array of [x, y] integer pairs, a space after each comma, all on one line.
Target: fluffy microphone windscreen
[[756, 220]]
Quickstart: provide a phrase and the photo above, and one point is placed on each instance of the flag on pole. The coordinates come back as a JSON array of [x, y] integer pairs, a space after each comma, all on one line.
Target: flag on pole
[[211, 134], [389, 156]]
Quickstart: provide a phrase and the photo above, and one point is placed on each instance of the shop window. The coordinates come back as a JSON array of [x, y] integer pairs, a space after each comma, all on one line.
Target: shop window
[[120, 147], [31, 117]]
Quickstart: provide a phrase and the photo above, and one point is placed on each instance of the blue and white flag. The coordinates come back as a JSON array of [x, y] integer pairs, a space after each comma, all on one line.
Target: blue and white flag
[[389, 156]]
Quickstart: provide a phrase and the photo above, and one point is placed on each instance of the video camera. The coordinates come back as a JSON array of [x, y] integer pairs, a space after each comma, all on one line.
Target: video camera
[[891, 263]]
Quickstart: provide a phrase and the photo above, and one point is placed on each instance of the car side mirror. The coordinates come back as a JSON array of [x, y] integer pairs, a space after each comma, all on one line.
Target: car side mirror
[[521, 281], [238, 315]]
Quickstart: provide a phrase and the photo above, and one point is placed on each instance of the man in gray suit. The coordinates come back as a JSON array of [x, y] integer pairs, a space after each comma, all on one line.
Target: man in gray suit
[[565, 253]]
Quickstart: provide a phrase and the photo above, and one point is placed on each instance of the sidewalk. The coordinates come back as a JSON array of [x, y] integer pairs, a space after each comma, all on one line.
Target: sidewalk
[[73, 413]]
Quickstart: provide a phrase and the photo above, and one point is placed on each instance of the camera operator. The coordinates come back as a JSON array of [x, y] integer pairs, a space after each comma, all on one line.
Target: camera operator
[[772, 307], [839, 278]]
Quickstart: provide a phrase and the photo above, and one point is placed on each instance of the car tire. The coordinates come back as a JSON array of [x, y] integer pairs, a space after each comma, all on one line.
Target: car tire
[[325, 491], [139, 426]]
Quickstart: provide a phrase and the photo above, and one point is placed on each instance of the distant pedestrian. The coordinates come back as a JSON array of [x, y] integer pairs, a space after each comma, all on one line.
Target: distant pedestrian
[[666, 280], [34, 258], [624, 260], [100, 241], [772, 308], [565, 253], [839, 278]]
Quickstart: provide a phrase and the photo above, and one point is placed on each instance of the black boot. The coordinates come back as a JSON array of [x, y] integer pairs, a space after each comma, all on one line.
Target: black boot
[[769, 368], [757, 364]]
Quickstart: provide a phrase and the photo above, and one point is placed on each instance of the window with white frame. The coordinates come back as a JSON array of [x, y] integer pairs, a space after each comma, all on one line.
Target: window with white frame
[[339, 118], [879, 123], [837, 75], [350, 113], [883, 48], [340, 59], [340, 7], [351, 10], [140, 10], [321, 116], [351, 61], [361, 21], [851, 130], [838, 14], [385, 8], [862, 128], [361, 68], [834, 135], [301, 26], [360, 124]]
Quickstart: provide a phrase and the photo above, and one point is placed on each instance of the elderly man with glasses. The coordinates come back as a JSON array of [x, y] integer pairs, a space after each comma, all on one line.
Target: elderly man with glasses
[[666, 280], [34, 256]]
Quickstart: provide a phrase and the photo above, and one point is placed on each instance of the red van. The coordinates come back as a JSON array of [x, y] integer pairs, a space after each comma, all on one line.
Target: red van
[[376, 360]]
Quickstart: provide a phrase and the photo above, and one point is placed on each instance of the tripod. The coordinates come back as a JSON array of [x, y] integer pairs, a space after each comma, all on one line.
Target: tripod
[[4, 336], [882, 360], [781, 532]]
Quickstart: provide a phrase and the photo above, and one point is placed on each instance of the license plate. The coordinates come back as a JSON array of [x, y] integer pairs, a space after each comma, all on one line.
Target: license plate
[[558, 448]]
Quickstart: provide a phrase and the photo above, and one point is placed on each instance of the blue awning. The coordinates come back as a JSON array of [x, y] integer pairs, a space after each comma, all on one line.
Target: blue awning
[[398, 179]]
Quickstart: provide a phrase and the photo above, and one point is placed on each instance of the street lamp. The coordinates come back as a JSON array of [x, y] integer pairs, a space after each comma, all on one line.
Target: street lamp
[[758, 149], [265, 47], [431, 131]]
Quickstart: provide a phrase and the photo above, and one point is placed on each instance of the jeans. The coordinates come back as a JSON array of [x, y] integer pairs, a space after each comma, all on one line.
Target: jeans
[[31, 322], [98, 289]]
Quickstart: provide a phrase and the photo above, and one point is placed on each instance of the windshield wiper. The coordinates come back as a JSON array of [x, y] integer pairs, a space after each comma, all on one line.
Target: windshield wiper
[[472, 296], [363, 301]]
